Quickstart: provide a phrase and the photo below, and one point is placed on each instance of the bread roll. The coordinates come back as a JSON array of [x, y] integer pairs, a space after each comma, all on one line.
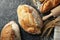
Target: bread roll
[[29, 19], [10, 32], [49, 4]]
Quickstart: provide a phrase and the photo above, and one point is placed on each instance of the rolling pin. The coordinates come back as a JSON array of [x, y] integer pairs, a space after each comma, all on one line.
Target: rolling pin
[[54, 12]]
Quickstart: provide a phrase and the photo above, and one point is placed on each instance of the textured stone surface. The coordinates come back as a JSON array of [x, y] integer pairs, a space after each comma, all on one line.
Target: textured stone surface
[[8, 13], [8, 10]]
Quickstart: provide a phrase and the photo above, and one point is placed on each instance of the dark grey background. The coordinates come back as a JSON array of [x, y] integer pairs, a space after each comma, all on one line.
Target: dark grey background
[[8, 13]]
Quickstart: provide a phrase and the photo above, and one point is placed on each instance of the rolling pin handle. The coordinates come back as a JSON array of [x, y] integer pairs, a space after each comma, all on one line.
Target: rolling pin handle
[[46, 17]]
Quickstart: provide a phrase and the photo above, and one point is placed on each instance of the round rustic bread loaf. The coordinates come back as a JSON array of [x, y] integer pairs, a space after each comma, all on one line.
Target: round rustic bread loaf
[[10, 32]]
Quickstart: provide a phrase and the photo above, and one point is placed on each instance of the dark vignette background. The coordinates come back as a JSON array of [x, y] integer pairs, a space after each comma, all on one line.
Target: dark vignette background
[[8, 13]]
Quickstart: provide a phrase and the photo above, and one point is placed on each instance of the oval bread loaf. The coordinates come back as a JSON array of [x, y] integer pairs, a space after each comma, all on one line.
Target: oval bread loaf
[[29, 19]]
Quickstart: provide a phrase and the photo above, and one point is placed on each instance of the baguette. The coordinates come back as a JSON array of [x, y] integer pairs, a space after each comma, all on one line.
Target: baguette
[[49, 4]]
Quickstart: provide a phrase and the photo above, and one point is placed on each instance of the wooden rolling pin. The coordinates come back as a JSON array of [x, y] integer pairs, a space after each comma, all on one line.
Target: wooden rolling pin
[[54, 12]]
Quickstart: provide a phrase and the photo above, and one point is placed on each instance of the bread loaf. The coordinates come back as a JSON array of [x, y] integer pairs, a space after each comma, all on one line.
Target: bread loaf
[[49, 4], [10, 32], [29, 19]]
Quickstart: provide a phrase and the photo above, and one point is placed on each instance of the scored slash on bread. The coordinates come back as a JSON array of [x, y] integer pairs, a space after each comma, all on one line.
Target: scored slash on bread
[[29, 19], [48, 4], [10, 32]]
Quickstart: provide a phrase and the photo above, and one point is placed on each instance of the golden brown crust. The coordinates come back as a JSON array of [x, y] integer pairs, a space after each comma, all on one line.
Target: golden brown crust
[[10, 32], [7, 33], [49, 4], [27, 17]]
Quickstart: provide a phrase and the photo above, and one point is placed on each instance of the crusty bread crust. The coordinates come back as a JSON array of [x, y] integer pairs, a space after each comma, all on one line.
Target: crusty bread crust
[[49, 4], [9, 31], [29, 19]]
